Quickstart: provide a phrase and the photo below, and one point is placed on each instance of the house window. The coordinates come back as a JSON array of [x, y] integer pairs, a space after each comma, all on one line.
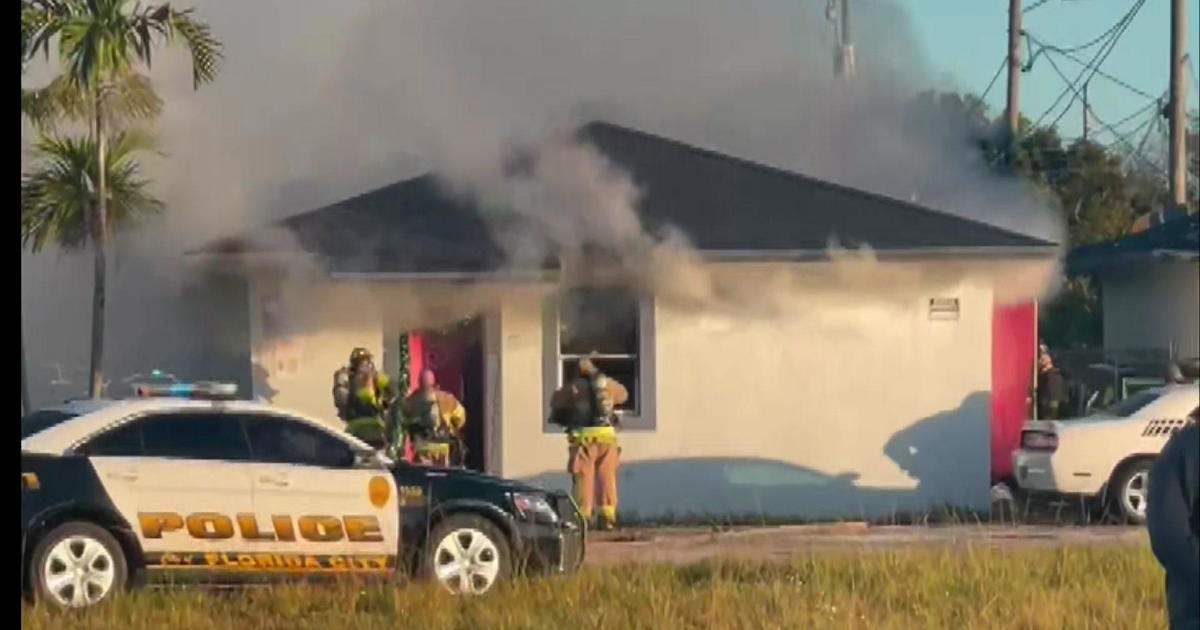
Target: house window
[[614, 327], [602, 323]]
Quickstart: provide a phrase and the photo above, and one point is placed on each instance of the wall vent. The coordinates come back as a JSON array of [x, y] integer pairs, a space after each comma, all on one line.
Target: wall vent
[[943, 309]]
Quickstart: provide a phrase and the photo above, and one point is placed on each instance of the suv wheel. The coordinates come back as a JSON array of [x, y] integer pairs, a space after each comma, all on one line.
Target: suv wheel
[[1128, 490], [467, 554], [78, 565]]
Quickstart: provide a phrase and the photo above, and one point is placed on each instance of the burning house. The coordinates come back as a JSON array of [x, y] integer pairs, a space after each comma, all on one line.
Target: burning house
[[792, 347]]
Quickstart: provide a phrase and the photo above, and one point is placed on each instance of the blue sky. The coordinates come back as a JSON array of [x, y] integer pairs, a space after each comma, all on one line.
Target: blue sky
[[965, 41]]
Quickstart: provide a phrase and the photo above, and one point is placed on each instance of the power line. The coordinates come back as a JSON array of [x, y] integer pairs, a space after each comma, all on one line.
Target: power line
[[1034, 6], [1135, 114], [1098, 71], [1097, 60], [1135, 153], [1095, 40], [999, 71]]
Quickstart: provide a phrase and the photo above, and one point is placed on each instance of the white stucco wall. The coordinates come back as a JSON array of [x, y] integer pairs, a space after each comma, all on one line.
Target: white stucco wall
[[321, 325], [1153, 306], [848, 404], [762, 415]]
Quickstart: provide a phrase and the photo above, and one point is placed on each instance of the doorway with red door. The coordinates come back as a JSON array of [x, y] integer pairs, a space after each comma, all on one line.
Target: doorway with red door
[[455, 354]]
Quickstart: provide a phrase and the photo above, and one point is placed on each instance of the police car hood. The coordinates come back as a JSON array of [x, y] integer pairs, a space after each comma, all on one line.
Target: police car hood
[[470, 477]]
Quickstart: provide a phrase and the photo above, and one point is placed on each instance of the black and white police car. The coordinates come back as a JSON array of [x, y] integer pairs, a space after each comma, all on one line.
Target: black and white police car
[[185, 482]]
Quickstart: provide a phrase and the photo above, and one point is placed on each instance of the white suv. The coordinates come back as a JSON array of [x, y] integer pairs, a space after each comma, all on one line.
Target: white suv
[[1108, 454]]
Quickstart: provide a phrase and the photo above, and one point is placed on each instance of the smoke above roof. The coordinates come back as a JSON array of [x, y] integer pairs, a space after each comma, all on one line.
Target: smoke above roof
[[321, 101]]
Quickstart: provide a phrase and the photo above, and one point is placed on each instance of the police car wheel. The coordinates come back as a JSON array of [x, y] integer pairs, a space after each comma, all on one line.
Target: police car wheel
[[78, 565], [467, 554]]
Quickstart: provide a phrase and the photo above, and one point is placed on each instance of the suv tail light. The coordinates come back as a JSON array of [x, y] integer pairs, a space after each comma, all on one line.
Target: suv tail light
[[1039, 441]]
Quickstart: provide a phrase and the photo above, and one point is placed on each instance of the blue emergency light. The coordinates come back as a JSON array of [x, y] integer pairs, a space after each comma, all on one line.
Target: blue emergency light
[[205, 390]]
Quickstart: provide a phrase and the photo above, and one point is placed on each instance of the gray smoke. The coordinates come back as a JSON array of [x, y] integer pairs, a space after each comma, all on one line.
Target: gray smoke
[[321, 101]]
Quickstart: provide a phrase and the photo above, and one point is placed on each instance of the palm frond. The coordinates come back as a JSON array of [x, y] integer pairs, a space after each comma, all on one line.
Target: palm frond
[[153, 21], [127, 99], [59, 194], [40, 22]]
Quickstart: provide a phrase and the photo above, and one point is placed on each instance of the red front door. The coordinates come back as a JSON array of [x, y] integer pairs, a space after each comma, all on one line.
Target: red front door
[[1014, 339]]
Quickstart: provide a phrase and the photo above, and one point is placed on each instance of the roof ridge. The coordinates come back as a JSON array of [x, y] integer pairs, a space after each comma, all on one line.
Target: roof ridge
[[348, 200], [782, 172]]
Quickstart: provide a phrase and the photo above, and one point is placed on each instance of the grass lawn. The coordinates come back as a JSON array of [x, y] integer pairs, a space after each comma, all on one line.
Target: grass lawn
[[912, 588]]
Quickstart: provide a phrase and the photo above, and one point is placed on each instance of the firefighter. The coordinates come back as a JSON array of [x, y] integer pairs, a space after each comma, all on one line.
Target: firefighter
[[363, 397], [434, 419], [586, 408], [1051, 391]]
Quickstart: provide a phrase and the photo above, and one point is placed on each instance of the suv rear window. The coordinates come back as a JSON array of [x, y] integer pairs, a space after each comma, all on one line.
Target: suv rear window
[[39, 421]]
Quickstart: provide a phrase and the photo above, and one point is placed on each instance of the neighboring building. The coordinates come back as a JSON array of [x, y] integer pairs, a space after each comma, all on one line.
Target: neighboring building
[[850, 405], [1149, 287]]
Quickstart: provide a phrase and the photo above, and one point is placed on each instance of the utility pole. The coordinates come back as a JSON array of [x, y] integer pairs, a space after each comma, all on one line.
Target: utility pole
[[1012, 112], [1178, 103], [1087, 114], [843, 55]]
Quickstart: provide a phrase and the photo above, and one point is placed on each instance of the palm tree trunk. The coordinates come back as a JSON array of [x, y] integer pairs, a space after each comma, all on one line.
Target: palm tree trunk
[[99, 245], [25, 406]]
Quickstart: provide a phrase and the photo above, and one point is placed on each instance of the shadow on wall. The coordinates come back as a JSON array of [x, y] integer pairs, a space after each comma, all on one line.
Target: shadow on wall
[[948, 454], [742, 488]]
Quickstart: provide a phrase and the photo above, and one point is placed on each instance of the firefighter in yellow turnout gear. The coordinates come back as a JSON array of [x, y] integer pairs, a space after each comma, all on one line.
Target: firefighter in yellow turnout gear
[[434, 420], [363, 397], [587, 409]]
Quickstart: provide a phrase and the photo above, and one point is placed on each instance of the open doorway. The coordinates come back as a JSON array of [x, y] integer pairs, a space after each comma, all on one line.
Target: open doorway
[[455, 354]]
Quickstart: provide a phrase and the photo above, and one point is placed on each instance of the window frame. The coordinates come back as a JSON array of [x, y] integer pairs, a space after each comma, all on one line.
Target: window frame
[[79, 447], [643, 416], [283, 417]]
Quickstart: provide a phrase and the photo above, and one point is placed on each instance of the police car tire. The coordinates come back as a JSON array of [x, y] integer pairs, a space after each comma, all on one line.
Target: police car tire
[[85, 534], [478, 525]]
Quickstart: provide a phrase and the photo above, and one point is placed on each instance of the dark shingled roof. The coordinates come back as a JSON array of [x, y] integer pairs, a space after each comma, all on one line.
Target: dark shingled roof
[[727, 206], [1176, 239]]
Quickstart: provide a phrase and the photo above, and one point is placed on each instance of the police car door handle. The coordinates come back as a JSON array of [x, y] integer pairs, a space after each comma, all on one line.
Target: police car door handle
[[124, 475], [275, 480]]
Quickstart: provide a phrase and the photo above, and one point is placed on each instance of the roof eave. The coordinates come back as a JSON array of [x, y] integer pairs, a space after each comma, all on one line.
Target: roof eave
[[797, 255], [818, 255]]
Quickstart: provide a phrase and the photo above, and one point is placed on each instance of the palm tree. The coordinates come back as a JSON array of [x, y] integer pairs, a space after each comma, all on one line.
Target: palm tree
[[59, 196], [100, 45]]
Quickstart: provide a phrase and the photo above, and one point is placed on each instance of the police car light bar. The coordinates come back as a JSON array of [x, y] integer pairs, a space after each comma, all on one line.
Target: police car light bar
[[200, 391]]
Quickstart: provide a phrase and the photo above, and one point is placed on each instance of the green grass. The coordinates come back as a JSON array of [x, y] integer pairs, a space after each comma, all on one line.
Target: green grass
[[917, 588]]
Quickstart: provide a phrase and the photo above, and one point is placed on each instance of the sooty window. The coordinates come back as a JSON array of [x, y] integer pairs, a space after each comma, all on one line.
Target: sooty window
[[602, 323]]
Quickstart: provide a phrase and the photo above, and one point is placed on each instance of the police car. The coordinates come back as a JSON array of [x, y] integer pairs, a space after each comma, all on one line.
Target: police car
[[184, 482]]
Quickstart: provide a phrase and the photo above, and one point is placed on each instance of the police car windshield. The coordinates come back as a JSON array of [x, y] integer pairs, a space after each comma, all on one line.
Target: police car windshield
[[39, 421]]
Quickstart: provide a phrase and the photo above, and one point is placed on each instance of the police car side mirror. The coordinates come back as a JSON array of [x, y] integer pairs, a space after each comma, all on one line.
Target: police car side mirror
[[368, 459]]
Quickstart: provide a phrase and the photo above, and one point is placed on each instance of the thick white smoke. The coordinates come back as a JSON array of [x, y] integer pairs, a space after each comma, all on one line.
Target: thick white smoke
[[320, 101]]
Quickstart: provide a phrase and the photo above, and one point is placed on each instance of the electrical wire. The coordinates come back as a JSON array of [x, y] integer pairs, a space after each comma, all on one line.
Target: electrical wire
[[1096, 40], [1046, 47], [1033, 6], [999, 71], [1097, 60], [1134, 153]]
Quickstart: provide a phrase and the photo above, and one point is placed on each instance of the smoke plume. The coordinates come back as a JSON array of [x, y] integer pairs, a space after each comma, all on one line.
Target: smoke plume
[[317, 102]]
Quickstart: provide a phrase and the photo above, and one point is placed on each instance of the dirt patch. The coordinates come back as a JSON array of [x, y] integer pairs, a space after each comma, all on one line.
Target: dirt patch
[[780, 543]]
